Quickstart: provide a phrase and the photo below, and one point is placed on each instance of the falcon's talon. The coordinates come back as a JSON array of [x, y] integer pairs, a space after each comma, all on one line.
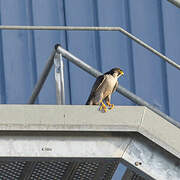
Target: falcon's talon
[[104, 109], [111, 106], [100, 108], [103, 106]]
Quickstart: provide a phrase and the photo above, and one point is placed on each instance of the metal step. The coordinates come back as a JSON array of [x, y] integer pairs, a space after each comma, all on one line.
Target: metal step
[[58, 169]]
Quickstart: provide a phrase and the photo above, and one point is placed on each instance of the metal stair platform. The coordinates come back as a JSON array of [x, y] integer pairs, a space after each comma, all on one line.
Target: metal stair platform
[[80, 142]]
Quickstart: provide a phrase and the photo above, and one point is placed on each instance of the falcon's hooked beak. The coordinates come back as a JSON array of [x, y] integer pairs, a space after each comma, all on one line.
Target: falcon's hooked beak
[[121, 73]]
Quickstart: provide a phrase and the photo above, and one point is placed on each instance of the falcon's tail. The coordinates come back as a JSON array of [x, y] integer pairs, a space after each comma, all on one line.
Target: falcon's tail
[[92, 101], [89, 101]]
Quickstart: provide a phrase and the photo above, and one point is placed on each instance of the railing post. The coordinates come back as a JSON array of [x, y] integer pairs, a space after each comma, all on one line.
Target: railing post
[[59, 78]]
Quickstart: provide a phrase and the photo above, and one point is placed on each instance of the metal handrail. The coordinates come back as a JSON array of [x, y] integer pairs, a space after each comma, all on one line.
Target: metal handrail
[[95, 73], [86, 28], [175, 2]]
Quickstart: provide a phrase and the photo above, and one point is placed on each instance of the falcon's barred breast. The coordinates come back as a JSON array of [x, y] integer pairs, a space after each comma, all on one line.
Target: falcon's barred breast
[[103, 88]]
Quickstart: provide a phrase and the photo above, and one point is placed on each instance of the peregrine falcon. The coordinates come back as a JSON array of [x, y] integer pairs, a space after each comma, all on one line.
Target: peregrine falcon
[[103, 88]]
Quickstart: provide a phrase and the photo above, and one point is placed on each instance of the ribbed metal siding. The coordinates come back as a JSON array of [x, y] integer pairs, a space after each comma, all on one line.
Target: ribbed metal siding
[[23, 54]]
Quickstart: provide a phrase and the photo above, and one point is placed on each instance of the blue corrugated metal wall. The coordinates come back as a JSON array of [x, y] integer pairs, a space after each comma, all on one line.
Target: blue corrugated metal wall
[[23, 54]]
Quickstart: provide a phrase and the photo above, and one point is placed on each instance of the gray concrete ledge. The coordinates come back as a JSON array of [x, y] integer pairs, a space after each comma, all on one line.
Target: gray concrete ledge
[[68, 118], [88, 118]]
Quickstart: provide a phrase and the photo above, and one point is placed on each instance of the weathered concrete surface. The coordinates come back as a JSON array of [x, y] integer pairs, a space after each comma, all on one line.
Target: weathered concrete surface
[[88, 118]]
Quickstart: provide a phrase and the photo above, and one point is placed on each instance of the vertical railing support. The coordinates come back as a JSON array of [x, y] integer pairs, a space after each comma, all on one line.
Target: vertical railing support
[[55, 58], [59, 78]]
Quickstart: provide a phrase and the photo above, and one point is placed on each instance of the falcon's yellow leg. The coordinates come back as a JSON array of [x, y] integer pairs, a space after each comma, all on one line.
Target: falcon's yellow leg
[[103, 106], [111, 106]]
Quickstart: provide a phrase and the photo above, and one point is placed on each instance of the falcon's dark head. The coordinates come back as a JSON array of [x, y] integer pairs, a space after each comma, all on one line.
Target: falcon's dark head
[[115, 71]]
